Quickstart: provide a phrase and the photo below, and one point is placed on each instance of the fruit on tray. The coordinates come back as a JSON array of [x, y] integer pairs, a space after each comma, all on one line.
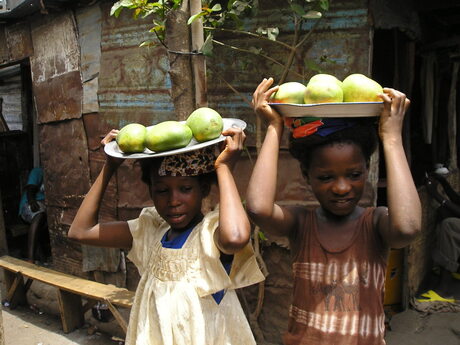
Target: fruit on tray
[[206, 124], [290, 92], [168, 135], [323, 88], [359, 88], [131, 138]]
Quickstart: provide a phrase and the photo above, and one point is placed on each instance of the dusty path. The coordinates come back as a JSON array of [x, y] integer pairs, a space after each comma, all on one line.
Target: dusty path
[[23, 326], [412, 328]]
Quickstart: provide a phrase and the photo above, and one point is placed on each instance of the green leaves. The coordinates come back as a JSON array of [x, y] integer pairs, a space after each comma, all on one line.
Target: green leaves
[[205, 12], [120, 5], [271, 33], [207, 47]]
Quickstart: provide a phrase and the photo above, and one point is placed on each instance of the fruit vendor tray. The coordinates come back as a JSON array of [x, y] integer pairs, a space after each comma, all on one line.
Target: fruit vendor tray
[[348, 109], [113, 150]]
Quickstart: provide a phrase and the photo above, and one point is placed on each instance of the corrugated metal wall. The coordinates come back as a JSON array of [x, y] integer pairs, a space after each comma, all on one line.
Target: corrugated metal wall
[[11, 92]]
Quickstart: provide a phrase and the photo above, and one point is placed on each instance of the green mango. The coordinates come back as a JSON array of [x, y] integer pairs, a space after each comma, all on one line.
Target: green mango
[[130, 138], [205, 123], [168, 135]]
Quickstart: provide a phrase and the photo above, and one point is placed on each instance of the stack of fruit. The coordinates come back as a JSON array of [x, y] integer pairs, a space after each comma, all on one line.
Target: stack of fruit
[[326, 88], [203, 124]]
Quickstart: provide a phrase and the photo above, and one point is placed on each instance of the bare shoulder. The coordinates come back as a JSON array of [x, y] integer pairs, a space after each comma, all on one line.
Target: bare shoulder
[[298, 214], [297, 210], [284, 220]]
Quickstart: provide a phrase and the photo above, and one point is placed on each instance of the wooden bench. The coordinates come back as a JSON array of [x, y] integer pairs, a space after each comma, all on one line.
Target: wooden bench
[[70, 290]]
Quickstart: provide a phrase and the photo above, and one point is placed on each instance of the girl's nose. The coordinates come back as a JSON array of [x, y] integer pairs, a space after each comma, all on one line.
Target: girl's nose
[[174, 199], [341, 187]]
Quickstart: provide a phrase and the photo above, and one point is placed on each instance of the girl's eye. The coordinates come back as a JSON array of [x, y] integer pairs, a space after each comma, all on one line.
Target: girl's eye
[[324, 178], [356, 175], [186, 189], [160, 190]]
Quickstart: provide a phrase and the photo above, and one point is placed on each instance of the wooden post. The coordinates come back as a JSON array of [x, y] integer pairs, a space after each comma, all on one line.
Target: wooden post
[[71, 310], [198, 61], [180, 71]]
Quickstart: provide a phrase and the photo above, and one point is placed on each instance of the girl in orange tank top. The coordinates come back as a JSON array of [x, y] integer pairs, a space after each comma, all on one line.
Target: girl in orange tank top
[[339, 248]]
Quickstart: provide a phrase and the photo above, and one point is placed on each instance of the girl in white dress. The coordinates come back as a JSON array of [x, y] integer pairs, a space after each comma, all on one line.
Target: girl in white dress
[[190, 264]]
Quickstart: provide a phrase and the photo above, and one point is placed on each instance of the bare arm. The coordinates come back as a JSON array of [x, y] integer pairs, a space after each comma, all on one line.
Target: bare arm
[[261, 190], [85, 227], [402, 223], [234, 227]]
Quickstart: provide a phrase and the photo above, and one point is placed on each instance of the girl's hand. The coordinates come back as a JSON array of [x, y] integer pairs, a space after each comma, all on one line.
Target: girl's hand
[[233, 146], [260, 100], [395, 105], [112, 162]]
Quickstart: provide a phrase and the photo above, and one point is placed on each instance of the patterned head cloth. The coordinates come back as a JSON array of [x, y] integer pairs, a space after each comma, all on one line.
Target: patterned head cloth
[[190, 163], [306, 126]]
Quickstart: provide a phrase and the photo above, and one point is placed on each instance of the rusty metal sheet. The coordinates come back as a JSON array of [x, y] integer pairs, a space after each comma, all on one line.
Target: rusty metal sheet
[[95, 131], [55, 69], [132, 192], [58, 98], [89, 38], [133, 82], [66, 253], [19, 41], [64, 157], [56, 50], [90, 100]]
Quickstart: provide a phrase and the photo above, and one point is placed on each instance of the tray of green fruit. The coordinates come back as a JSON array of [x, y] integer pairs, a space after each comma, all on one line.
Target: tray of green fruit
[[172, 134]]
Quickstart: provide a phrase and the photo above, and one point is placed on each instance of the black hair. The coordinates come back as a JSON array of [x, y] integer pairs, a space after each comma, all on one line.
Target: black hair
[[149, 164], [363, 134]]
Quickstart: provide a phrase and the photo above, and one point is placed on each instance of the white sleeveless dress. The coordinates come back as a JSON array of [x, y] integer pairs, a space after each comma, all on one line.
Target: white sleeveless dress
[[174, 303]]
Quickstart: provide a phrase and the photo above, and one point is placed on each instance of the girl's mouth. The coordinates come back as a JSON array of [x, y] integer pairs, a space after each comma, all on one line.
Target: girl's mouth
[[341, 203], [176, 218]]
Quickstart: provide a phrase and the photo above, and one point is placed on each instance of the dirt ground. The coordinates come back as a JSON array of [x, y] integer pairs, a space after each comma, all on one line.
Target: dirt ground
[[414, 328], [27, 326], [23, 326], [39, 323]]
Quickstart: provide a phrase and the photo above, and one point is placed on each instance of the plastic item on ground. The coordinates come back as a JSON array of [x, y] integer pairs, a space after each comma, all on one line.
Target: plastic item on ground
[[432, 296]]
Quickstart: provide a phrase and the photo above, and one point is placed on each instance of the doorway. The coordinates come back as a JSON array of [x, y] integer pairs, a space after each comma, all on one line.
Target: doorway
[[19, 152]]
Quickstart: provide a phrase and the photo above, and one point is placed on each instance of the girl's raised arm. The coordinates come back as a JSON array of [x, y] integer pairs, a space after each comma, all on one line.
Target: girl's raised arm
[[261, 190], [234, 228], [85, 227], [402, 222]]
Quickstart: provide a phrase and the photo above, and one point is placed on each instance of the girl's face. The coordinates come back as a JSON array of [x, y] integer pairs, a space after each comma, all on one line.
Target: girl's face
[[177, 199], [337, 175]]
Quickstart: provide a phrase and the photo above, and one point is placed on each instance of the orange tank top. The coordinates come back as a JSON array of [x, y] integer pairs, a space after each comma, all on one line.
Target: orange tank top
[[338, 293]]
